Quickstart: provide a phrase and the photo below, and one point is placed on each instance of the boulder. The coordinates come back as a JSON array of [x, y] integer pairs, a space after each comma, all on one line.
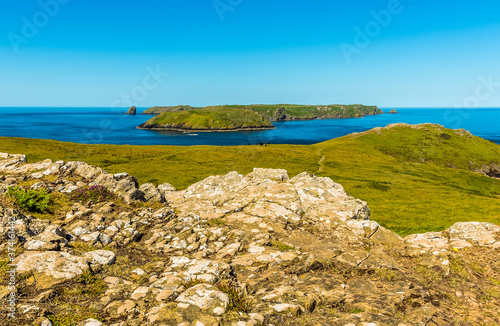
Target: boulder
[[53, 267], [88, 171], [151, 194], [100, 257], [165, 188], [121, 184]]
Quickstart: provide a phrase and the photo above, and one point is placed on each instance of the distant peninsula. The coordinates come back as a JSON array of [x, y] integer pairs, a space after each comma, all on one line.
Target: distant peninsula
[[245, 117], [208, 119]]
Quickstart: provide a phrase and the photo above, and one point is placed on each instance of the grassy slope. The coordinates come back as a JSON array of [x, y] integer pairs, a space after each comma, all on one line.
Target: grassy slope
[[290, 110], [209, 119], [404, 195]]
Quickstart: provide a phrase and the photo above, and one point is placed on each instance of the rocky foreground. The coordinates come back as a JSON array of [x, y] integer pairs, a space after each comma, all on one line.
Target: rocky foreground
[[260, 249]]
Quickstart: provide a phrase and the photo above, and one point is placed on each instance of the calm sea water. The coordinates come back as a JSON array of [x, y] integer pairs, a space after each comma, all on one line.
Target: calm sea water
[[109, 126]]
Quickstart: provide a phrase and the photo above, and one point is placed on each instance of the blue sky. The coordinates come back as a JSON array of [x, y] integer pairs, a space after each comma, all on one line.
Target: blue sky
[[418, 53]]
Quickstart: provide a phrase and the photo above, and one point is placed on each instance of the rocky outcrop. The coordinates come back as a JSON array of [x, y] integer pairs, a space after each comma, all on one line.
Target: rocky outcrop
[[257, 249], [491, 170], [132, 111], [122, 184]]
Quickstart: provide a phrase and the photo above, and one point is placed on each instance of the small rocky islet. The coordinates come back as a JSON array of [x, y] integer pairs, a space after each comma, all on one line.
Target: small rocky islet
[[255, 249]]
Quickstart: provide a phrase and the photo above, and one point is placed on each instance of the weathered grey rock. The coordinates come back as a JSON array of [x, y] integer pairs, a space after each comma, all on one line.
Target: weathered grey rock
[[271, 174], [91, 237], [45, 322], [206, 297], [482, 234], [88, 171], [165, 188], [100, 257], [139, 293], [121, 184], [56, 266], [52, 238], [90, 322], [151, 194]]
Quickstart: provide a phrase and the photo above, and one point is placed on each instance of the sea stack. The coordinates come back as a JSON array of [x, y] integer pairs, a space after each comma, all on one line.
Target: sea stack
[[132, 111]]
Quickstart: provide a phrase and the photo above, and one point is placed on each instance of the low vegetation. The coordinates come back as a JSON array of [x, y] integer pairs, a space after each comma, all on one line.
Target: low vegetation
[[30, 200], [92, 194], [414, 179]]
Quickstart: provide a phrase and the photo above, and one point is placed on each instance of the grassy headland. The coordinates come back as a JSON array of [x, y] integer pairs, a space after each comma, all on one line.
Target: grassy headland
[[208, 119], [282, 112], [415, 179]]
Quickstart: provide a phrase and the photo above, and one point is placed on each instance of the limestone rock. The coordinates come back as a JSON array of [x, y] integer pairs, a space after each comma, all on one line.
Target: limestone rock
[[151, 193], [165, 188], [100, 257], [483, 234], [206, 297], [90, 322], [88, 171], [271, 174], [55, 266]]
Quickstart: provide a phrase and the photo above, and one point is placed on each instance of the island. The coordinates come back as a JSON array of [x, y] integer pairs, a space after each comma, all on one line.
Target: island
[[246, 117], [285, 112], [393, 111], [207, 120]]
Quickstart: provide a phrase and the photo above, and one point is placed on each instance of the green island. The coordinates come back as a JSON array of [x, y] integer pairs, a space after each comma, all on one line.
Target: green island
[[246, 117], [414, 178], [208, 119]]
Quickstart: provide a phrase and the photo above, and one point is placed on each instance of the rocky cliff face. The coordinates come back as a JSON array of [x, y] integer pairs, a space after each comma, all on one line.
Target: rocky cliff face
[[260, 249]]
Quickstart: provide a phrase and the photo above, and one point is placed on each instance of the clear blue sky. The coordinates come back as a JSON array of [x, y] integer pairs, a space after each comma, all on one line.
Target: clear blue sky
[[100, 53]]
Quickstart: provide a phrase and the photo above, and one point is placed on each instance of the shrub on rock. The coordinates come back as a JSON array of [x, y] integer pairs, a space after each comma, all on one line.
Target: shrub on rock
[[30, 200]]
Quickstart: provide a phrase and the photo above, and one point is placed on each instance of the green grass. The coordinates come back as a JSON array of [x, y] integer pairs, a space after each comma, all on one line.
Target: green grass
[[403, 173], [209, 119]]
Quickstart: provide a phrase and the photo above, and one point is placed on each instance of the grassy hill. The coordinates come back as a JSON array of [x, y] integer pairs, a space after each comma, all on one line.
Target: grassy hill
[[415, 179], [208, 119], [281, 112]]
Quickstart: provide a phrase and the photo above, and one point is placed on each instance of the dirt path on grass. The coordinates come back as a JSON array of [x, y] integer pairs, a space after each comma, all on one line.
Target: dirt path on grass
[[320, 162]]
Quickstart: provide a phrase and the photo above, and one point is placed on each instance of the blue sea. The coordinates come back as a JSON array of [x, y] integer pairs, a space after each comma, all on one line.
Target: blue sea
[[110, 126]]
